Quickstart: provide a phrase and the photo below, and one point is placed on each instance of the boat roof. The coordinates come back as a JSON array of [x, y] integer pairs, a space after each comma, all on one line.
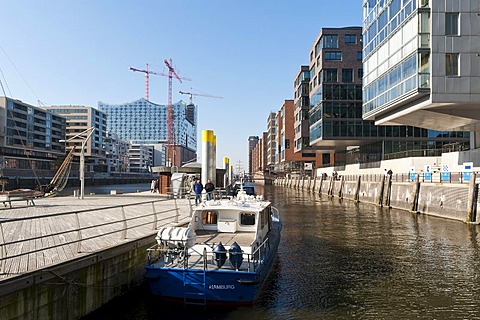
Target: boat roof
[[241, 202]]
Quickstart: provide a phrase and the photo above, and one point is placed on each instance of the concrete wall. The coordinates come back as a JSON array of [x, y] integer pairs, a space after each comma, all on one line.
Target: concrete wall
[[439, 199], [75, 288]]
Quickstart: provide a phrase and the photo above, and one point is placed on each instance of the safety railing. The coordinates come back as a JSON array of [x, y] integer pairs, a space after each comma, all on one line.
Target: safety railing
[[75, 230]]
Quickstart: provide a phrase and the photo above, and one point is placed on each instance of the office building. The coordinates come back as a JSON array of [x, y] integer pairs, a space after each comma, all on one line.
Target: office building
[[29, 139], [422, 65], [79, 119], [252, 142], [336, 101]]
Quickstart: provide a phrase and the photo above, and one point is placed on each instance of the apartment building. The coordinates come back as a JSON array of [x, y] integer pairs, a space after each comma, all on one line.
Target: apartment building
[[29, 138], [79, 119]]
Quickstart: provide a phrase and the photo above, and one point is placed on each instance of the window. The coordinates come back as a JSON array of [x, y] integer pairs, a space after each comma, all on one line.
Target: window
[[451, 64], [247, 219], [350, 39], [329, 41], [209, 217], [347, 75], [359, 55], [329, 75], [360, 73], [451, 23], [333, 55]]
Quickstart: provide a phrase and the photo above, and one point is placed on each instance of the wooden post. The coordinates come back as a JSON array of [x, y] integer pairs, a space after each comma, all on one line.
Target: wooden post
[[416, 194], [356, 197], [382, 189], [472, 199]]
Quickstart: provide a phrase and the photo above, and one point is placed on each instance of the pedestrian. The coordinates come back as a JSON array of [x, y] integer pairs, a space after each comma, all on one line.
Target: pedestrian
[[197, 189], [155, 188], [390, 172], [209, 187], [152, 186]]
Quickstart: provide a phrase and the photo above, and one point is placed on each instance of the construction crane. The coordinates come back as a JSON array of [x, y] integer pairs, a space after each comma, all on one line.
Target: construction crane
[[171, 138], [147, 73], [191, 94]]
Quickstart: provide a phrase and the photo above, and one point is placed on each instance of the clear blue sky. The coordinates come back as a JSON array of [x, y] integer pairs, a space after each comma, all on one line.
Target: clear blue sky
[[248, 52]]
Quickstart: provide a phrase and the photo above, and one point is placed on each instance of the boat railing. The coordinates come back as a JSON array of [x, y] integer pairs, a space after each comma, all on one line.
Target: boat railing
[[81, 231], [190, 258]]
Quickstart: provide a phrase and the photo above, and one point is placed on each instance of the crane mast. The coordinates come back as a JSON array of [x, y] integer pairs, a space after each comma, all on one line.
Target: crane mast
[[171, 137]]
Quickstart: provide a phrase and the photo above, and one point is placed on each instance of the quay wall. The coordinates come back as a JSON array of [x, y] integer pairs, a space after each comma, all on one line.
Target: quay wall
[[458, 201], [75, 288]]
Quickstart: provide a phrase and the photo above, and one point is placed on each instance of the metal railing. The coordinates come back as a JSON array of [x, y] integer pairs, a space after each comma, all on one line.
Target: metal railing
[[434, 177], [79, 229]]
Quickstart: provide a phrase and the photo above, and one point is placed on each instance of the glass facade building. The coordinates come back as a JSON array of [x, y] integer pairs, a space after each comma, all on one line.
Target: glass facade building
[[144, 122], [421, 64]]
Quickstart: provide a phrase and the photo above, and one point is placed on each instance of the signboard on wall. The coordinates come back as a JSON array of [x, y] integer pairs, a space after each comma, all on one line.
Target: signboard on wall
[[428, 173], [445, 172], [412, 173], [467, 170]]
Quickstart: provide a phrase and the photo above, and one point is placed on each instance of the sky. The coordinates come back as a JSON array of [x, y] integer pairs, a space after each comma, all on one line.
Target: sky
[[78, 52]]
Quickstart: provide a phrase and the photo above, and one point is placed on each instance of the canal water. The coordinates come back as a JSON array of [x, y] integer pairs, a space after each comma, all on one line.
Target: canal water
[[341, 260]]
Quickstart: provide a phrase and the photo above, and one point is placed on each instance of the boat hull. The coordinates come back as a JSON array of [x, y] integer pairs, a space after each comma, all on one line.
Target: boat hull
[[210, 287]]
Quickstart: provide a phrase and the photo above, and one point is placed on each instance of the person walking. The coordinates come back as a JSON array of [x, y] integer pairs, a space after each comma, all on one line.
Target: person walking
[[152, 186], [209, 187], [197, 189]]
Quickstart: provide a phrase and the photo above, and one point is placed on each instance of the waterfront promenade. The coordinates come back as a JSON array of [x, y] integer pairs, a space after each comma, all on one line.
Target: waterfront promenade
[[65, 257], [58, 229]]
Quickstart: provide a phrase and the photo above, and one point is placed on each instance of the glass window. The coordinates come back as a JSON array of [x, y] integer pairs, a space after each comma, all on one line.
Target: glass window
[[350, 38], [330, 75], [451, 64], [347, 75], [333, 55], [209, 217], [329, 41], [360, 73], [359, 55], [451, 23], [247, 219]]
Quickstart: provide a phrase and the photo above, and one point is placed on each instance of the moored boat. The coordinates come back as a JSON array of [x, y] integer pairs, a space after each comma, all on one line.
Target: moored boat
[[222, 257]]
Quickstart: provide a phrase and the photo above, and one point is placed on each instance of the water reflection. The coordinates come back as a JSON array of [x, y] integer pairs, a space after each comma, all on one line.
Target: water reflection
[[342, 260]]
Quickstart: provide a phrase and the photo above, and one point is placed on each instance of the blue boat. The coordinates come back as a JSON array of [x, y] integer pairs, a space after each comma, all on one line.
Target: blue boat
[[222, 258]]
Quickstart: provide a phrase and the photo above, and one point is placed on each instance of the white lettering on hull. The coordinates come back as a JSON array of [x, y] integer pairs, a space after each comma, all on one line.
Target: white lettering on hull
[[221, 287]]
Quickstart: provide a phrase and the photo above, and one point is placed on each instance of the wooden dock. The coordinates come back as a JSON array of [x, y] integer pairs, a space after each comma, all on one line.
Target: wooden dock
[[59, 229]]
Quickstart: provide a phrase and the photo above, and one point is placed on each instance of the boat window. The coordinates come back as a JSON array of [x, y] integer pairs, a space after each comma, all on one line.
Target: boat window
[[209, 217], [247, 219]]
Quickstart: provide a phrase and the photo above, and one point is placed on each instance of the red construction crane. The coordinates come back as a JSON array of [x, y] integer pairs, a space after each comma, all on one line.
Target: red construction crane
[[147, 73], [171, 138], [191, 93]]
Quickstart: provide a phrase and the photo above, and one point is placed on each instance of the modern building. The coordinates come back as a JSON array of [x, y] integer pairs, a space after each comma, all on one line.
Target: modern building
[[79, 119], [140, 158], [252, 142], [422, 65], [336, 123], [289, 161], [259, 157], [144, 122], [301, 86], [116, 152], [29, 139], [271, 142]]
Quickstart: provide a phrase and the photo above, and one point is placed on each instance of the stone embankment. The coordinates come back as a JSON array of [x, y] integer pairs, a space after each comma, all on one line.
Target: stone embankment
[[448, 200]]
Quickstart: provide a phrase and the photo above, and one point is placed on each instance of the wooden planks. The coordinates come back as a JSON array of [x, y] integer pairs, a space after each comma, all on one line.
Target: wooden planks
[[100, 216]]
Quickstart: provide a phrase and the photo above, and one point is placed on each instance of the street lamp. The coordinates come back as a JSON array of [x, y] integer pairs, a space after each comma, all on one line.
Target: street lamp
[[84, 135]]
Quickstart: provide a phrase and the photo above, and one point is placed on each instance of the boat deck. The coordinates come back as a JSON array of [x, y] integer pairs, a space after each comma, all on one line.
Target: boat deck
[[205, 242]]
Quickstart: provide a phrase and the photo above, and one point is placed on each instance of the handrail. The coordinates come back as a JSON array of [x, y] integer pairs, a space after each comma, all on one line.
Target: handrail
[[121, 226]]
